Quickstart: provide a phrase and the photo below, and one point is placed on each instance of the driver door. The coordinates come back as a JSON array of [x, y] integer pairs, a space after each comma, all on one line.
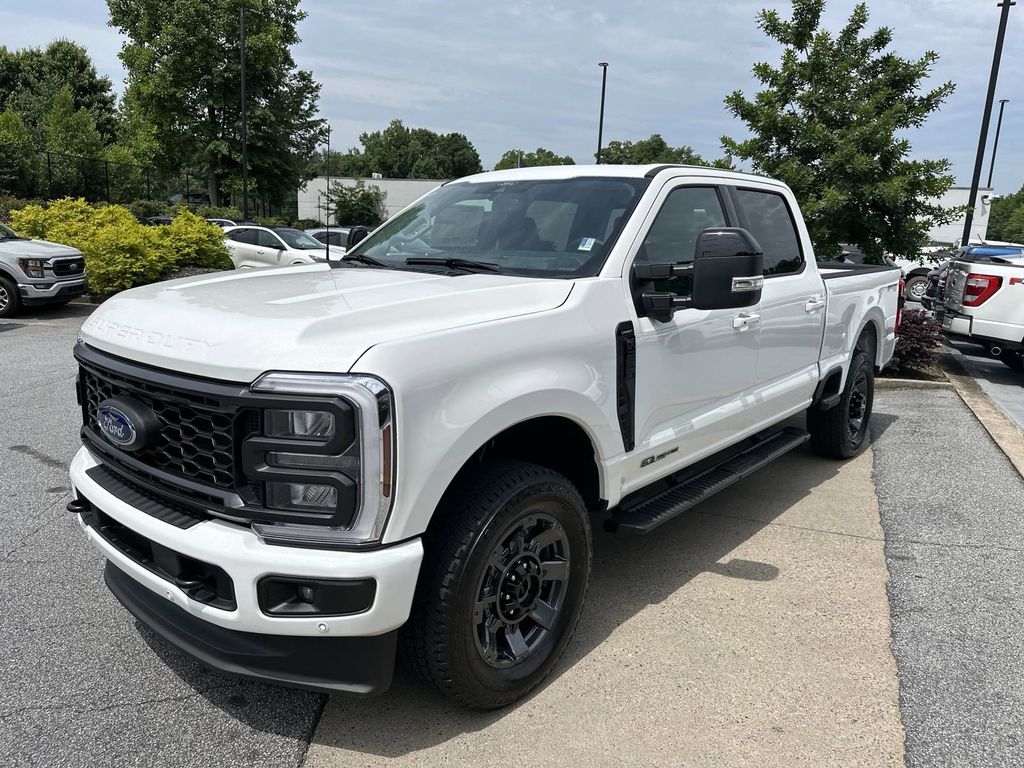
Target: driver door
[[695, 374]]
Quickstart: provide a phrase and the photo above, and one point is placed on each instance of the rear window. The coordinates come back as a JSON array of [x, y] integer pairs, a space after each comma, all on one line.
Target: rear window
[[768, 218]]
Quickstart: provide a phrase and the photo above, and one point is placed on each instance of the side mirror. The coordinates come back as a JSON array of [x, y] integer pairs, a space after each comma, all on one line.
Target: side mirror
[[726, 271], [356, 235]]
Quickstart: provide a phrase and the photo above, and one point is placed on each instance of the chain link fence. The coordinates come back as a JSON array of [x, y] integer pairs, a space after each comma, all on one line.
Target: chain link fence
[[40, 175]]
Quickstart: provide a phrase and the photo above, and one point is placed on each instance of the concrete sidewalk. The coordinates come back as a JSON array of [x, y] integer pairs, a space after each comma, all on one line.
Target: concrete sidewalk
[[753, 632]]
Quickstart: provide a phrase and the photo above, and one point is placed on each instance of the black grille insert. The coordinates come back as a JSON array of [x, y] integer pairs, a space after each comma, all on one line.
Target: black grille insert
[[197, 433], [66, 267]]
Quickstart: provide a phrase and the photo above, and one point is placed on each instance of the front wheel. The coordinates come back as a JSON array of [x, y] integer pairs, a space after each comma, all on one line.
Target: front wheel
[[503, 582], [841, 432], [915, 288], [10, 300]]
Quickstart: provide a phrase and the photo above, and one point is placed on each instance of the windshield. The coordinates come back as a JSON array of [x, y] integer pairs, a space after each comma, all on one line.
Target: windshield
[[550, 228], [299, 240], [6, 233]]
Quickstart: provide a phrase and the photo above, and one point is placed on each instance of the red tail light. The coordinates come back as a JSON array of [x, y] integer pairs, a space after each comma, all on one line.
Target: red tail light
[[901, 298], [979, 288]]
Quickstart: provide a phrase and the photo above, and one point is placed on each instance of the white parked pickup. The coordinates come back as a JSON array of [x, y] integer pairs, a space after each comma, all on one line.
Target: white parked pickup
[[983, 301], [291, 471]]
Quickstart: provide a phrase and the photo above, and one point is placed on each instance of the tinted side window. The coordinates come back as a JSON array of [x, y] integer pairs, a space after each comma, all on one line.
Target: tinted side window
[[767, 217], [247, 236], [267, 240], [686, 212]]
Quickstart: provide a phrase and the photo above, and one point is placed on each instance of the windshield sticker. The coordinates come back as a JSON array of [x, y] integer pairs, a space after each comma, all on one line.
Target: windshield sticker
[[587, 243]]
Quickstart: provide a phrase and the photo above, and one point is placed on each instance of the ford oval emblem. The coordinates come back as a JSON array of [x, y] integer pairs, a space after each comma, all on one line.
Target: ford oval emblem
[[115, 425]]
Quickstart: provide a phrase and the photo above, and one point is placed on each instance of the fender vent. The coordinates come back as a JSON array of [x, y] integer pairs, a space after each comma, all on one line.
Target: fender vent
[[625, 381]]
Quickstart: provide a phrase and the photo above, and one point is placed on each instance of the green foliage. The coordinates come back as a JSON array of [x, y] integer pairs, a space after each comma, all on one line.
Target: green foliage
[[31, 78], [398, 152], [72, 133], [190, 241], [184, 71], [359, 204], [515, 158], [144, 209], [217, 212], [919, 337], [653, 149], [306, 224], [19, 165], [119, 251], [831, 121], [9, 203], [999, 218]]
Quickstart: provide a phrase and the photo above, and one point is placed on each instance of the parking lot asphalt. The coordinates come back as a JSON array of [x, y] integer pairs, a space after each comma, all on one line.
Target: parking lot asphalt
[[755, 631], [999, 382], [82, 683]]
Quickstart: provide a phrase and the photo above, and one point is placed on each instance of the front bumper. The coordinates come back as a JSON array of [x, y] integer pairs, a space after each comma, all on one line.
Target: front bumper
[[50, 292], [246, 559]]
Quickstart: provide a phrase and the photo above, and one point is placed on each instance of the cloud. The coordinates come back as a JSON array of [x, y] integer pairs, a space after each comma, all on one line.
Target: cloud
[[523, 73]]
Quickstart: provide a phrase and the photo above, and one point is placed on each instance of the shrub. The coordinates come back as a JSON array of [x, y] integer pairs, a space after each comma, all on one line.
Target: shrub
[[359, 204], [214, 212], [915, 348], [10, 203], [119, 251], [306, 224], [190, 241], [143, 209]]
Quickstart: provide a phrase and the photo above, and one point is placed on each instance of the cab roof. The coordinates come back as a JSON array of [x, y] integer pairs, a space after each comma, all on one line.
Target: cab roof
[[557, 172]]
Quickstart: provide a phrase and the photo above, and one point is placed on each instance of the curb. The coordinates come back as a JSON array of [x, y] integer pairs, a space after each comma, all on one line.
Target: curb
[[1003, 431]]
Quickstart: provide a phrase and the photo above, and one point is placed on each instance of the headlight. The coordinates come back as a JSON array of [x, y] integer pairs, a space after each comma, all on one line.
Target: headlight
[[305, 457], [32, 267], [313, 425]]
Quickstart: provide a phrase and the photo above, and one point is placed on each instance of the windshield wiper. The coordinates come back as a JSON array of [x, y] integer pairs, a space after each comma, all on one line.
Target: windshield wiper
[[455, 263], [360, 258]]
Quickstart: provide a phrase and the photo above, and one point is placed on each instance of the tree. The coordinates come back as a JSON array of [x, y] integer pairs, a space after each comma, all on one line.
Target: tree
[[1003, 209], [19, 166], [653, 149], [398, 152], [831, 122], [183, 64], [516, 158], [134, 154], [1014, 231], [357, 205], [31, 78], [76, 149]]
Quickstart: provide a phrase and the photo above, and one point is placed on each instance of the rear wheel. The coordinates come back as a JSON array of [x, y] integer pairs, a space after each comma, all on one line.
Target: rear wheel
[[1013, 358], [916, 287], [841, 431], [502, 586], [10, 300]]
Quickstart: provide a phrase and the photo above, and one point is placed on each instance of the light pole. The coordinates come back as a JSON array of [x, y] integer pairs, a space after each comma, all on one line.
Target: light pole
[[245, 142], [995, 146], [327, 157], [985, 119], [600, 124]]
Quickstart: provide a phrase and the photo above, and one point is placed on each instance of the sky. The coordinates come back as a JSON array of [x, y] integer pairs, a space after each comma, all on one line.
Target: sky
[[523, 73]]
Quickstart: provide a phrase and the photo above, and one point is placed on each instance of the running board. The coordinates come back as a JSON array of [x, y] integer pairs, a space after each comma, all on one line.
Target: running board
[[649, 514]]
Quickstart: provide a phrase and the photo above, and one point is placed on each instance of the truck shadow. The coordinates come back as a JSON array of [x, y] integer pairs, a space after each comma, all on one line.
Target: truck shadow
[[630, 574]]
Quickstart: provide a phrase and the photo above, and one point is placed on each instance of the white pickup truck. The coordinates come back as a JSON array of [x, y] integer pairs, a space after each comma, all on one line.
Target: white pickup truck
[[983, 301], [291, 471]]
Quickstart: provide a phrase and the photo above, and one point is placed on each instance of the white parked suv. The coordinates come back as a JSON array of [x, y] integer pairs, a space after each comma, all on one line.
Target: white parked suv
[[291, 471], [252, 246]]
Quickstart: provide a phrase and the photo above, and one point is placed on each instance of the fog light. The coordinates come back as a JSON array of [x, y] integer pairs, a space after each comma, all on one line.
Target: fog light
[[297, 596], [302, 497], [305, 593]]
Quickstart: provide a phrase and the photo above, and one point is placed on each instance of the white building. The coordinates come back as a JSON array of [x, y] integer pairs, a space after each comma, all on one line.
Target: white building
[[398, 194], [947, 234]]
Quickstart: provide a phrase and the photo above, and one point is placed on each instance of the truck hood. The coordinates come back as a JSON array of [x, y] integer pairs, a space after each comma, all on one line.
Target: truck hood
[[236, 326], [37, 249]]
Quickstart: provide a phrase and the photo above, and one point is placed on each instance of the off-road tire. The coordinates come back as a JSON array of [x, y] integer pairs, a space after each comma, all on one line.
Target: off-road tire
[[10, 299], [441, 641], [832, 432]]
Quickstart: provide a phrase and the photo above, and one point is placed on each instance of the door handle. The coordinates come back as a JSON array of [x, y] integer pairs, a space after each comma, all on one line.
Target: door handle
[[744, 321], [813, 305]]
